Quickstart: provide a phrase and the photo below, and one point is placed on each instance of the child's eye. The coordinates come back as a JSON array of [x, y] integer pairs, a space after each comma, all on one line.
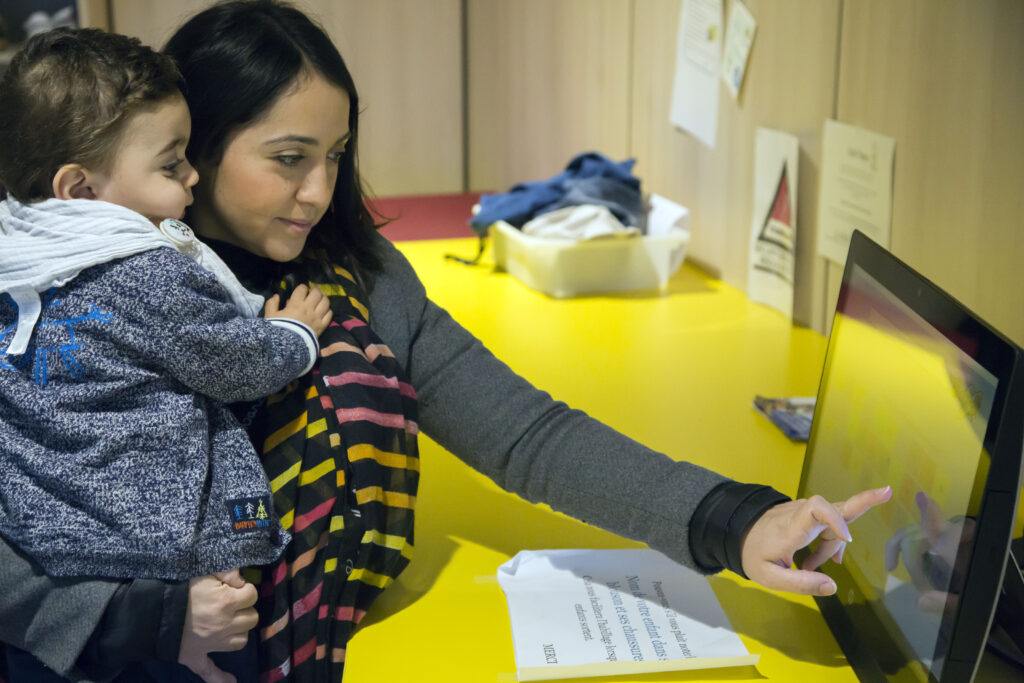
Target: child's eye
[[289, 159], [171, 167]]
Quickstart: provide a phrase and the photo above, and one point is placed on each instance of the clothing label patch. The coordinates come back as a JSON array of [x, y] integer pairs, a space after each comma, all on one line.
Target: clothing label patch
[[249, 513]]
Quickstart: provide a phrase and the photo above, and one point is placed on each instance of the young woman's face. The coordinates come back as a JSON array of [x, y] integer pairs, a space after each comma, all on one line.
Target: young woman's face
[[276, 178]]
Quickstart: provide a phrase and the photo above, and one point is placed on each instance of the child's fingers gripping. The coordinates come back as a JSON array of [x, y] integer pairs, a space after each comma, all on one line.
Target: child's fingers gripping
[[272, 307], [323, 307]]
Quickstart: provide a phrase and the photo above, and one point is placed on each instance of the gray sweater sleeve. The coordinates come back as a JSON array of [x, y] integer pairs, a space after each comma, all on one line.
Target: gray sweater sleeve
[[480, 410], [51, 618]]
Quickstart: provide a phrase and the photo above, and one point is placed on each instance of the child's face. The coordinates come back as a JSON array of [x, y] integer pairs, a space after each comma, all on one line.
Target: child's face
[[150, 174]]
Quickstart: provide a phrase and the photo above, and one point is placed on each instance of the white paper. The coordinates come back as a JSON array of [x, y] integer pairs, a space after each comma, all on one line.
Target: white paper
[[856, 188], [698, 56], [609, 612], [665, 215], [773, 229], [738, 38]]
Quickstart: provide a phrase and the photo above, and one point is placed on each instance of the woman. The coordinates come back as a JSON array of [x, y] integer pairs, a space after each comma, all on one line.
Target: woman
[[275, 127]]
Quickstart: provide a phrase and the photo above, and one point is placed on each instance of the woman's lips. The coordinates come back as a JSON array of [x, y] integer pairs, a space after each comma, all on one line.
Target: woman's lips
[[297, 227]]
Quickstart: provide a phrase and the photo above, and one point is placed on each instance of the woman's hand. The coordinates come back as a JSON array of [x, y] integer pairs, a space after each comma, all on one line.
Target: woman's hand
[[306, 304], [219, 616], [768, 548]]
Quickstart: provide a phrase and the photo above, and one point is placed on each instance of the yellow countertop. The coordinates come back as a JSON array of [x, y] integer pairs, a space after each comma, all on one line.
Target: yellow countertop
[[675, 370]]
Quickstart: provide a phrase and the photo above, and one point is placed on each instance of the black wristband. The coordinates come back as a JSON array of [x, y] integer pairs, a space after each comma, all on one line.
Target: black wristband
[[722, 520]]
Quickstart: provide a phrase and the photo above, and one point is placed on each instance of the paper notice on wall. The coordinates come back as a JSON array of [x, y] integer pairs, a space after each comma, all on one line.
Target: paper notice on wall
[[698, 59], [773, 228], [738, 38], [856, 188], [610, 612]]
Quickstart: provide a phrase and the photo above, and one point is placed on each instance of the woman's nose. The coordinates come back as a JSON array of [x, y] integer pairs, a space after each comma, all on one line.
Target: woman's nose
[[317, 187]]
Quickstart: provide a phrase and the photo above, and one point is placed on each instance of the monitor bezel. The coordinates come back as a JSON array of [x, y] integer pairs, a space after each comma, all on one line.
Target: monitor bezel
[[1004, 441]]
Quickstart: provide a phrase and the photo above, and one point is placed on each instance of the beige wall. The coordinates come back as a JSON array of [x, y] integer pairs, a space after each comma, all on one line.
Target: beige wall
[[790, 86], [546, 79], [946, 80], [406, 60]]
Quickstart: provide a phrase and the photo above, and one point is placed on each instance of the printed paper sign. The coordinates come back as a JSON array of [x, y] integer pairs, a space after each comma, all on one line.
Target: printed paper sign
[[698, 56], [609, 612], [773, 229], [856, 188]]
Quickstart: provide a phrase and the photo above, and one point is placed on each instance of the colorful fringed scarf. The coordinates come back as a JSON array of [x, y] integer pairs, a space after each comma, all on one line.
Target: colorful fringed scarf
[[339, 448]]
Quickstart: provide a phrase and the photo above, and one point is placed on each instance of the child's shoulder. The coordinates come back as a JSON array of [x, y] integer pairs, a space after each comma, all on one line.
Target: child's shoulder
[[151, 279], [156, 268]]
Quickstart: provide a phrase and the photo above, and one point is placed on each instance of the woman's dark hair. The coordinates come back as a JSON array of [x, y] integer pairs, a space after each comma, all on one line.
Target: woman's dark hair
[[237, 58]]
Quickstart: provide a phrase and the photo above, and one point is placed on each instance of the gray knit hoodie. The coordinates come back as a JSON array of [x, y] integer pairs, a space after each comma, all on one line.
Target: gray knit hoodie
[[117, 455]]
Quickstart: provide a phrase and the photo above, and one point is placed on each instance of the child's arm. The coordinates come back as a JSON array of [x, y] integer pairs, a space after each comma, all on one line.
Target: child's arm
[[202, 341]]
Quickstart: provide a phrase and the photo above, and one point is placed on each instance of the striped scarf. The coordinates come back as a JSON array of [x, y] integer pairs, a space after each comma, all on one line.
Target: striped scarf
[[339, 448]]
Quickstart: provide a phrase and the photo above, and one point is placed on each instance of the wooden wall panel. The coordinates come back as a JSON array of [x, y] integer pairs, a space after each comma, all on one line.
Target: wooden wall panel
[[546, 80], [406, 59], [789, 85], [946, 80], [93, 13]]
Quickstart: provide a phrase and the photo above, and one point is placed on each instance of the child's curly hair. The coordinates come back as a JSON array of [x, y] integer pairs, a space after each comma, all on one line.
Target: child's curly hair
[[65, 99]]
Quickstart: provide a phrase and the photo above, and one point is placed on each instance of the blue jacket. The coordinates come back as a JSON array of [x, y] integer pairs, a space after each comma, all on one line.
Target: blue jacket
[[589, 178], [117, 455]]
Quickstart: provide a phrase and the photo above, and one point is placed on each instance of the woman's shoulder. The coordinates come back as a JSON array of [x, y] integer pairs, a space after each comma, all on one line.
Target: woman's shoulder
[[396, 280]]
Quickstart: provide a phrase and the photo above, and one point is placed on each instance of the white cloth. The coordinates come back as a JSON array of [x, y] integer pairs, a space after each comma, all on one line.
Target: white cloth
[[583, 222], [48, 243]]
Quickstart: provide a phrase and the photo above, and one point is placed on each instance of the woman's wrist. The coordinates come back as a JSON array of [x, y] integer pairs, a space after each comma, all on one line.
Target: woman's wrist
[[723, 518]]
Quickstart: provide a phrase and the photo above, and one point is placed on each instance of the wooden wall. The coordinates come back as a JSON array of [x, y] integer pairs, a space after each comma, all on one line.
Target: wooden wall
[[405, 57], [946, 80], [538, 81], [789, 85], [546, 81]]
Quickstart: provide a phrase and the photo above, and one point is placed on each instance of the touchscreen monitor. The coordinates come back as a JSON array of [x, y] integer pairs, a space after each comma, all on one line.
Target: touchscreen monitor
[[919, 394]]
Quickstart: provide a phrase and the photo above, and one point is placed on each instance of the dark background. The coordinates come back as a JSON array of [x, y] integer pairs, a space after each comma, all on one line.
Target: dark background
[[14, 13]]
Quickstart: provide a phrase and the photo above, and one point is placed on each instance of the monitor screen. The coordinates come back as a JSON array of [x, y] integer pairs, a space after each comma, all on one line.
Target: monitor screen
[[907, 399]]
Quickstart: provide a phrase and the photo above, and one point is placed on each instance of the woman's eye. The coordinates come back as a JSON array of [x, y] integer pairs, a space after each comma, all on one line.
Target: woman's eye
[[335, 157], [288, 159]]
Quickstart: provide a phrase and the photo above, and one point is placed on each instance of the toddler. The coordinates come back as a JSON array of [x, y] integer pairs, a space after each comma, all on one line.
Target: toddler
[[121, 335]]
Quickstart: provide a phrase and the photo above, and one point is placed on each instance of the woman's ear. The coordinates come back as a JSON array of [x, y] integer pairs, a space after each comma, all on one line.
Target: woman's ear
[[73, 181]]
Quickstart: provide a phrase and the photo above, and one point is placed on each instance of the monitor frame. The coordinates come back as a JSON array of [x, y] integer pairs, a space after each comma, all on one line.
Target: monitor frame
[[856, 628]]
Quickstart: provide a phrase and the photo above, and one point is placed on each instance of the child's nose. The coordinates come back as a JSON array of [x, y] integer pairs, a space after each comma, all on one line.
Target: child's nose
[[191, 175]]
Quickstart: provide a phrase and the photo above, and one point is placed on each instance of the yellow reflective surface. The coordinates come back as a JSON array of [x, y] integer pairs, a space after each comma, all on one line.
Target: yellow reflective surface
[[676, 370]]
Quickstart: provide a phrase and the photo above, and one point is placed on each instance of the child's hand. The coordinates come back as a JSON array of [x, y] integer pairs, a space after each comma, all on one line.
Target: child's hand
[[306, 305]]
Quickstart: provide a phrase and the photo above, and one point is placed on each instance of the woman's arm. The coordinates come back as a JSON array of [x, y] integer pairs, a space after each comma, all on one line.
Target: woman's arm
[[477, 408], [51, 618], [90, 629]]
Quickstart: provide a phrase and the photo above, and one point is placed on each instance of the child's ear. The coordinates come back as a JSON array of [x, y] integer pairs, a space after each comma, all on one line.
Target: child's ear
[[73, 181]]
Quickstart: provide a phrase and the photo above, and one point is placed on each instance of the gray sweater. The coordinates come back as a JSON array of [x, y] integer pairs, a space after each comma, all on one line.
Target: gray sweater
[[476, 407], [117, 455]]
